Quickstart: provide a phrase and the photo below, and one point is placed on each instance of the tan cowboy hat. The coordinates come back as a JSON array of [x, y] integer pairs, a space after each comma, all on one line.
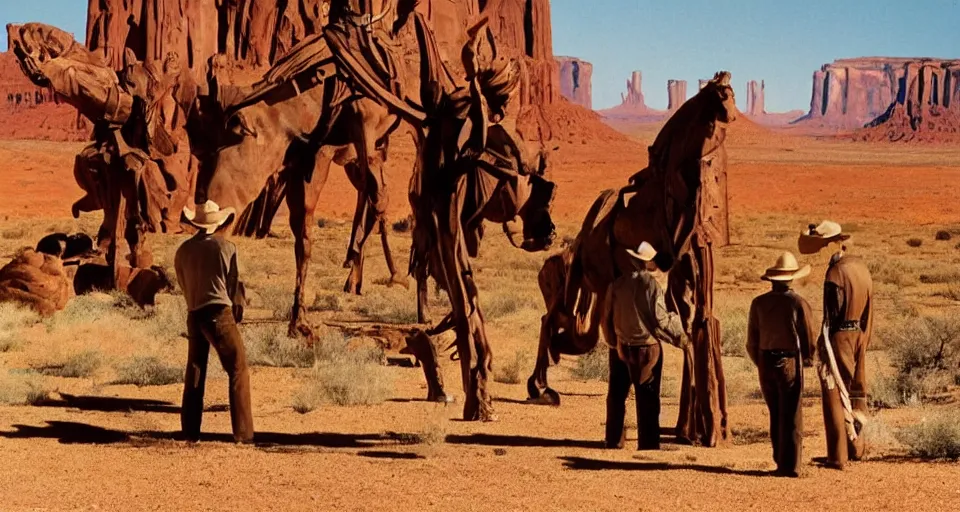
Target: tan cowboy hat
[[208, 216], [786, 269], [645, 252], [815, 237]]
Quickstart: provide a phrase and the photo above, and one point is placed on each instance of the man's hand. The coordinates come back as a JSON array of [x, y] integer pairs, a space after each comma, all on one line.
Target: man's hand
[[807, 362]]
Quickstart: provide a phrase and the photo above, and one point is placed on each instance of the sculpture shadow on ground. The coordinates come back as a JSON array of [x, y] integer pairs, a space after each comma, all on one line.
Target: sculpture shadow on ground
[[587, 464], [120, 404], [517, 441], [70, 432]]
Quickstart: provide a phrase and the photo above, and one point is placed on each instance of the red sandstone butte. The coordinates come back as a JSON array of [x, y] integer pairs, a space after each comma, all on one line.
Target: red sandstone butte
[[633, 107], [755, 100], [575, 81], [852, 93], [676, 94]]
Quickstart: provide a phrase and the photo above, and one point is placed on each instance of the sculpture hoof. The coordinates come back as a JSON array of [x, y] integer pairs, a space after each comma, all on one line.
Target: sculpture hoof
[[548, 397]]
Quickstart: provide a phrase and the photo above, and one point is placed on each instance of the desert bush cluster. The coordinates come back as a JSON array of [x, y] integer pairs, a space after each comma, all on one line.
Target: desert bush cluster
[[344, 375], [925, 355]]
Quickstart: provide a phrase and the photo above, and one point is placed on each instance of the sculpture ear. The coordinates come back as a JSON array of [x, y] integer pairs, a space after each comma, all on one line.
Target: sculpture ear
[[129, 58]]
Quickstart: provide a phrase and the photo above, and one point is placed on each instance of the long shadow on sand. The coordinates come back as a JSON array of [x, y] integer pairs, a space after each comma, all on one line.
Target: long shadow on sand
[[120, 404], [69, 432], [586, 464], [520, 441]]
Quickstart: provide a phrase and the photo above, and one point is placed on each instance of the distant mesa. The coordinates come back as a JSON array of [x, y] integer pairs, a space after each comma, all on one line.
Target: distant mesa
[[576, 79], [888, 98], [676, 94]]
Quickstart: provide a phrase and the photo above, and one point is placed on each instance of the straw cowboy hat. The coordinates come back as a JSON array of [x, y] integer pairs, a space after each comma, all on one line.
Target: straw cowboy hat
[[786, 269], [818, 237], [644, 253], [208, 216]]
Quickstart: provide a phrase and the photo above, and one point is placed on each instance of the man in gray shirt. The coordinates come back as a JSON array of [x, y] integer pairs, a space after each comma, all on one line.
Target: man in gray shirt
[[207, 271], [640, 322]]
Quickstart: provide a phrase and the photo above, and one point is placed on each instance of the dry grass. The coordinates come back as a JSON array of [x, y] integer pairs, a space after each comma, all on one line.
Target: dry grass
[[594, 365], [511, 372], [733, 330], [343, 376], [268, 345], [936, 437], [21, 388], [13, 319], [80, 365], [148, 371]]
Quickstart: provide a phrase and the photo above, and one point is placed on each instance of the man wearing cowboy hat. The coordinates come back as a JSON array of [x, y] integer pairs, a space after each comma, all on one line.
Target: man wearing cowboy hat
[[780, 341], [842, 347], [207, 271], [640, 322]]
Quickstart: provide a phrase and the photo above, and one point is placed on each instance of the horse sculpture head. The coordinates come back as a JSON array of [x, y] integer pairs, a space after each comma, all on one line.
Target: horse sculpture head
[[718, 98]]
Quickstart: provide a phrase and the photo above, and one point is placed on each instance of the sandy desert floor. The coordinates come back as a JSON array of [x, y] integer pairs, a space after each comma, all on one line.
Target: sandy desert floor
[[96, 444]]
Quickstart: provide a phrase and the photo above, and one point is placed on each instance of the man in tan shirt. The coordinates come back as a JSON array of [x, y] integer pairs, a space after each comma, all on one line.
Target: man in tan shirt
[[780, 342], [847, 328], [640, 322], [207, 271]]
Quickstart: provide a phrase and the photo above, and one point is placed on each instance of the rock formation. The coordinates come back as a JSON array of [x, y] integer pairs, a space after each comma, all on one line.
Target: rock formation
[[676, 94], [755, 105], [576, 81], [851, 93], [634, 94]]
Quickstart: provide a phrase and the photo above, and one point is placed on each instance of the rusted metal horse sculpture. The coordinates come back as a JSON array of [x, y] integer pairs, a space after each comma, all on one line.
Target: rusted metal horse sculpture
[[678, 204], [465, 150], [329, 93]]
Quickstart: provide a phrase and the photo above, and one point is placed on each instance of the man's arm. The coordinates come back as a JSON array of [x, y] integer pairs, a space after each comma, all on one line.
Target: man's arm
[[233, 275], [753, 335], [807, 332], [669, 328]]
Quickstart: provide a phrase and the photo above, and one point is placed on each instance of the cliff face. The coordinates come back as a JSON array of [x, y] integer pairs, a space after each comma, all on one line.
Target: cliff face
[[755, 100], [851, 93], [676, 94], [576, 78]]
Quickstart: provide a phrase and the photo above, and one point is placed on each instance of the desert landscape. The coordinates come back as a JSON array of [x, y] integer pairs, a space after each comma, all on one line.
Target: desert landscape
[[90, 396]]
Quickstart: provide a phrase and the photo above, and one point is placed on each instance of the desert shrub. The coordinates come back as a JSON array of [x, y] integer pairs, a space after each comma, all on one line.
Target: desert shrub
[[915, 242], [278, 299], [322, 223], [389, 305], [81, 365], [327, 302], [506, 303], [269, 345], [148, 371], [950, 276], [944, 236], [594, 365], [890, 392], [15, 233], [13, 318], [733, 331], [344, 375], [512, 371], [891, 271], [925, 352], [21, 388], [935, 437]]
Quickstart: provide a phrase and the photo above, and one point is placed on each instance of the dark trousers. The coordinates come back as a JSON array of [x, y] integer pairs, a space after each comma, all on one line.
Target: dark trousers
[[640, 368], [782, 384], [214, 325], [850, 349]]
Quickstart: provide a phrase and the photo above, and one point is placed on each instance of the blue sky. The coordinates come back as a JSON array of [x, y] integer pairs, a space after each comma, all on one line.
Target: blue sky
[[779, 41]]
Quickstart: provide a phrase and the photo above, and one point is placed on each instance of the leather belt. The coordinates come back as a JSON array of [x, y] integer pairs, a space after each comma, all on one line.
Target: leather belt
[[779, 354]]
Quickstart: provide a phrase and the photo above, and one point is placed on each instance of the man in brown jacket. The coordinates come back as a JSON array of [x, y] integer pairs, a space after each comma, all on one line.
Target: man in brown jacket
[[207, 271], [640, 322], [780, 341], [842, 348]]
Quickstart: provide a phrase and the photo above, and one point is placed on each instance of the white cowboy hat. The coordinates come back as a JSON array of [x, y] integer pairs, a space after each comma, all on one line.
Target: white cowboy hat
[[645, 252], [786, 269], [208, 216], [815, 238]]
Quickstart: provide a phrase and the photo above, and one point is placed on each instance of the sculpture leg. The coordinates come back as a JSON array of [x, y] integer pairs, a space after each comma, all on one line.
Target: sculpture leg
[[711, 388], [472, 345], [426, 352], [395, 276], [301, 200]]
